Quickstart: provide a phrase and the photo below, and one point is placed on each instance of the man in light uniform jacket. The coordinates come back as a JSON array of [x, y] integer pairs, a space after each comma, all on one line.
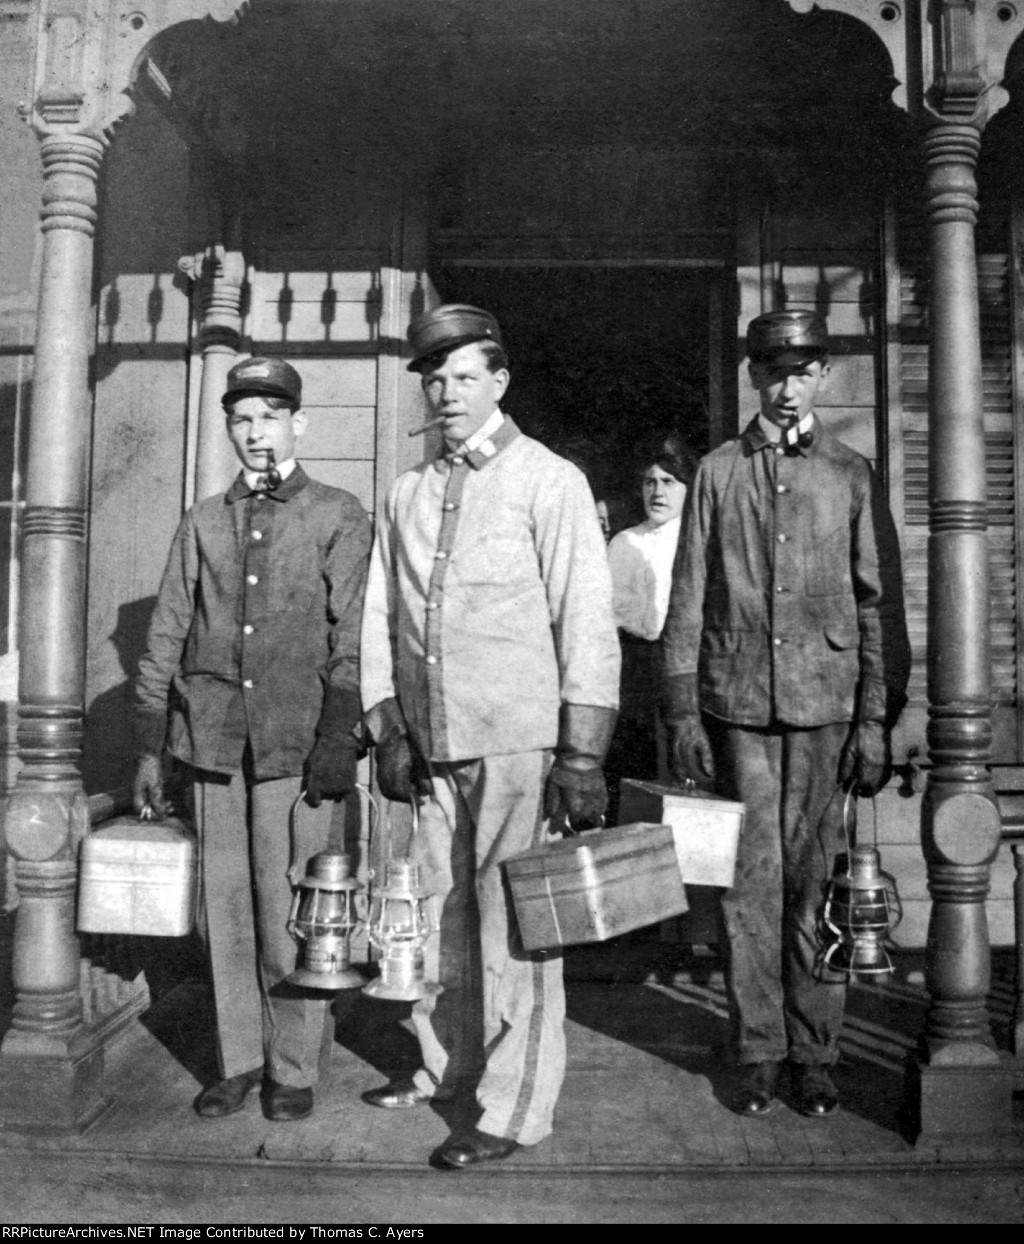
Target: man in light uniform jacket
[[254, 644], [786, 663], [490, 670]]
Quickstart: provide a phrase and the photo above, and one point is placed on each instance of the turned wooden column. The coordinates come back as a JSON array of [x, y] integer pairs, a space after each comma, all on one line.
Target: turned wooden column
[[960, 818], [960, 1086], [48, 1078], [220, 275]]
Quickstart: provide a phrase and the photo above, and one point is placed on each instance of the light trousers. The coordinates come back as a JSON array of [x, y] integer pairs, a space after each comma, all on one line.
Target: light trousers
[[500, 1020], [246, 848]]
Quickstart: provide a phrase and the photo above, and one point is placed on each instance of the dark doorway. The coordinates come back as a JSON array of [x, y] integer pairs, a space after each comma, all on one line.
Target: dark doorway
[[604, 361]]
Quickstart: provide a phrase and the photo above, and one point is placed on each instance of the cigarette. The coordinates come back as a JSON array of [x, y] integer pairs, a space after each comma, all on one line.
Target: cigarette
[[431, 423]]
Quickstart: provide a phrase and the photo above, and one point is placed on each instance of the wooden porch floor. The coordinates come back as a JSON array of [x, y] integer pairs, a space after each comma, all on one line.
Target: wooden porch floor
[[644, 1098]]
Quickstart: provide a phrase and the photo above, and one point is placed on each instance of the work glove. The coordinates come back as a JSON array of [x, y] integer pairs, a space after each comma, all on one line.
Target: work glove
[[330, 769], [402, 772], [866, 762], [576, 789], [148, 788], [689, 751]]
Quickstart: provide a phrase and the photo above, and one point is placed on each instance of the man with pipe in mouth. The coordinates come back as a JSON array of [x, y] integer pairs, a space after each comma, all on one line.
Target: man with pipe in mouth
[[786, 665], [490, 673], [251, 678]]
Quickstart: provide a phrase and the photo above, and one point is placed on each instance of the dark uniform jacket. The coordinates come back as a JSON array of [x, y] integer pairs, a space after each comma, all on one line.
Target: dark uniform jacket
[[787, 596], [258, 615]]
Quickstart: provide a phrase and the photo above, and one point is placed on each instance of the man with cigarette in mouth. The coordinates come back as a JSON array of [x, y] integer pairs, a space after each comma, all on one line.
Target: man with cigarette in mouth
[[490, 671], [251, 679]]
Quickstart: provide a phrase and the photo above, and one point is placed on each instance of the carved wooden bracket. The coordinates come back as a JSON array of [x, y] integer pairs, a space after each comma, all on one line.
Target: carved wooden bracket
[[948, 56], [89, 53]]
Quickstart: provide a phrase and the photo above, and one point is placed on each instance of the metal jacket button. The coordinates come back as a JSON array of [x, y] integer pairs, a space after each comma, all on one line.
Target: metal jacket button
[[252, 578]]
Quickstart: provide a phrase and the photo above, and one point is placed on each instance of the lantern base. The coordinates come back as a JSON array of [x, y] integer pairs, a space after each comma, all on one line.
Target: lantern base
[[349, 978], [412, 992]]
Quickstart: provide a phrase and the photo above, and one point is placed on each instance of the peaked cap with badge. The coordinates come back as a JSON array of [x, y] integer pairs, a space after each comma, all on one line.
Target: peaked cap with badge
[[270, 377], [787, 337]]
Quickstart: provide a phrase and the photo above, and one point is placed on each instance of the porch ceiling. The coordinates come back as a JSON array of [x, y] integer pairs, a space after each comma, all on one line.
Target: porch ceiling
[[421, 81]]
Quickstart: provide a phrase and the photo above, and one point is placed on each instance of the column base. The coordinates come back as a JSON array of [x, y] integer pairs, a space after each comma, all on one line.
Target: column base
[[959, 1104], [49, 1085]]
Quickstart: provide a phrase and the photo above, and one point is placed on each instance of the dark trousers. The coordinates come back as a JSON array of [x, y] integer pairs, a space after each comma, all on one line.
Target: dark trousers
[[781, 1003]]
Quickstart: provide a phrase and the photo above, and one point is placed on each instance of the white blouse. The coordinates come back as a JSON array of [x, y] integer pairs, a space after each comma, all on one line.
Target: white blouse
[[640, 559]]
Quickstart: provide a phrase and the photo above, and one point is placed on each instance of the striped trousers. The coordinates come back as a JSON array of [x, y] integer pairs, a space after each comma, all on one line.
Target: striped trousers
[[500, 1021]]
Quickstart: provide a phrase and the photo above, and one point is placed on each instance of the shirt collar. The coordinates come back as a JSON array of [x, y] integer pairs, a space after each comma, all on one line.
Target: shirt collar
[[485, 443], [757, 437], [296, 480], [284, 469]]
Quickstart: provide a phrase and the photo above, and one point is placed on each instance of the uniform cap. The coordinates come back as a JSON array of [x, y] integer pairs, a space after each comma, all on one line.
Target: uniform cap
[[450, 325], [271, 376], [781, 333]]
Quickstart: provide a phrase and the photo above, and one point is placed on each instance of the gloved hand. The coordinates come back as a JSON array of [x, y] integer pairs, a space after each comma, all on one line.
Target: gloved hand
[[148, 788], [578, 794], [330, 768], [576, 787], [689, 752], [867, 758], [330, 771], [402, 771]]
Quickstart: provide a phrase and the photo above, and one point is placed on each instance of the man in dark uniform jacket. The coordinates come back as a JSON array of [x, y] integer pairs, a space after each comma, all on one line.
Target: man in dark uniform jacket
[[256, 629], [786, 663]]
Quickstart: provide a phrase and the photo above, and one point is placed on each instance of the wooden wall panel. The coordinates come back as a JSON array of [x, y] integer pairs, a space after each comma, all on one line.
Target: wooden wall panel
[[138, 454], [339, 432], [354, 477]]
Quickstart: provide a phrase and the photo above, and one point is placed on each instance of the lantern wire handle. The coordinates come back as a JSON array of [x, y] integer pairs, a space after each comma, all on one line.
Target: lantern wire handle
[[295, 870]]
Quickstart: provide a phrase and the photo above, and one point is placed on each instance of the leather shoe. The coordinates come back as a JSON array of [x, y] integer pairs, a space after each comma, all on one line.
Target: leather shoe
[[401, 1095], [813, 1090], [227, 1096], [283, 1104], [755, 1093], [475, 1147]]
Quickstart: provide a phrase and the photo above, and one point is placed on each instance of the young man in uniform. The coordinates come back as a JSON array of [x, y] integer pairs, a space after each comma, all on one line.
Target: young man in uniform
[[490, 670], [251, 678], [786, 662]]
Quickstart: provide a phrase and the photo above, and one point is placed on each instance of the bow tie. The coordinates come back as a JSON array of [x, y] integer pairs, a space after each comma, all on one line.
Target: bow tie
[[268, 482], [792, 442]]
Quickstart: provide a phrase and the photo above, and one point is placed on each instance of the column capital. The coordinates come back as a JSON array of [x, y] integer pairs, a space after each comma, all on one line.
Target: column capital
[[88, 54], [948, 56]]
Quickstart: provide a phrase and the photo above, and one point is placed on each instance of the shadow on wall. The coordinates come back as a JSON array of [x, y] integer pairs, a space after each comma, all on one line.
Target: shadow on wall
[[107, 758]]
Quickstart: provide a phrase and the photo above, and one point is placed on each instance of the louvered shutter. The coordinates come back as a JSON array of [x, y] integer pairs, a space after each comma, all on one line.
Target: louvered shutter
[[996, 337]]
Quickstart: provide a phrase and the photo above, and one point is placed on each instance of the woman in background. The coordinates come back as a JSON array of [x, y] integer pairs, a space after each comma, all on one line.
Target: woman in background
[[640, 559]]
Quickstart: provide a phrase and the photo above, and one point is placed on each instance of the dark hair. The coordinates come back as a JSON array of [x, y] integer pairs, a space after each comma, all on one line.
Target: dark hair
[[275, 401], [673, 455], [495, 355]]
